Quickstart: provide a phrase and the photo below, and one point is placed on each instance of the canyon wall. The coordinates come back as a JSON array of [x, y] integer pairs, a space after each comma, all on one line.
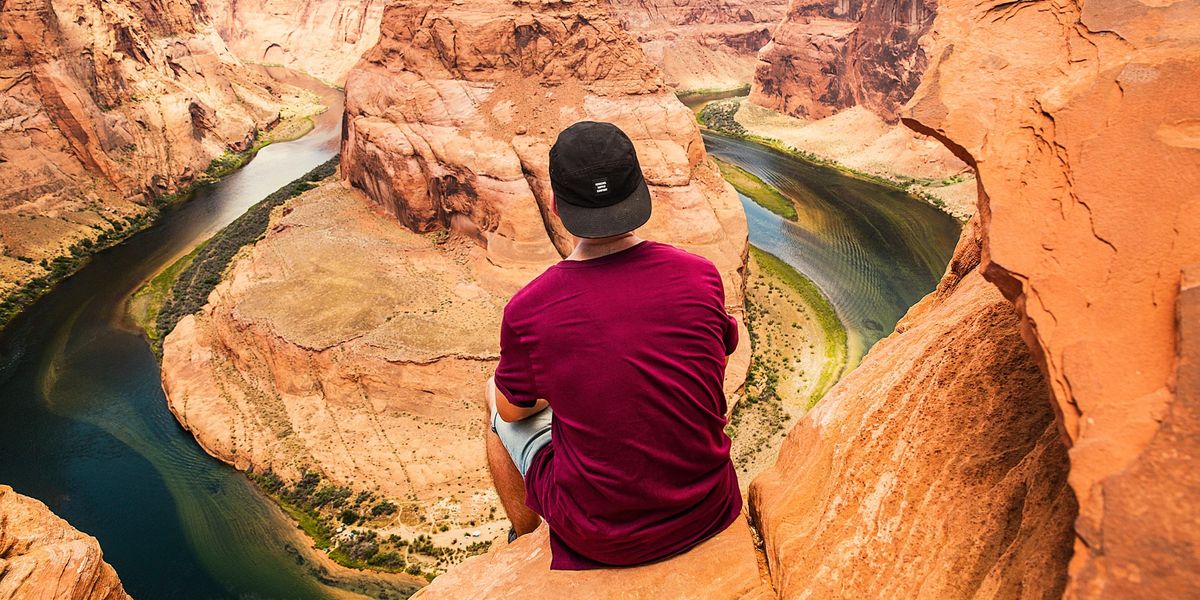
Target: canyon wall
[[354, 339], [700, 44], [42, 556], [933, 470], [1082, 123], [107, 105], [323, 38], [829, 55]]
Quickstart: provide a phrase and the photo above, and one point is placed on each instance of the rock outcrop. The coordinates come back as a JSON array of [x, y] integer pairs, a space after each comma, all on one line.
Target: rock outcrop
[[446, 134], [828, 55], [933, 470], [107, 105], [42, 556], [724, 567], [323, 38], [701, 44], [1081, 121]]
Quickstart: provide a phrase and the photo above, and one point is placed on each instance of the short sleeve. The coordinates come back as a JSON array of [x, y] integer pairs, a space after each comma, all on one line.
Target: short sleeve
[[730, 336], [514, 375]]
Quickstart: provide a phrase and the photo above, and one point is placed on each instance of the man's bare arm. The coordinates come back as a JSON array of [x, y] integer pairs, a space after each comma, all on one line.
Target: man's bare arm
[[511, 412]]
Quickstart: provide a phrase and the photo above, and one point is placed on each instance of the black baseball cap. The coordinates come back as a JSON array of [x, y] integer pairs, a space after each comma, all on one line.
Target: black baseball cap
[[597, 181]]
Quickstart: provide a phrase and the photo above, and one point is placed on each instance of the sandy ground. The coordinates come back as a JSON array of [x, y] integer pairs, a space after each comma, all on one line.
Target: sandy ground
[[861, 140], [789, 342]]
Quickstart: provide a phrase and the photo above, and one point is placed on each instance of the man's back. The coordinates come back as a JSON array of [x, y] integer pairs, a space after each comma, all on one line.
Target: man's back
[[629, 349]]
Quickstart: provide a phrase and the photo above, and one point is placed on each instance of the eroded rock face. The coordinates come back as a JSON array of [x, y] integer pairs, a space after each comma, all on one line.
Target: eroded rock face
[[345, 345], [107, 104], [828, 55], [933, 470], [700, 44], [447, 134], [725, 567], [42, 556], [323, 38], [1087, 145]]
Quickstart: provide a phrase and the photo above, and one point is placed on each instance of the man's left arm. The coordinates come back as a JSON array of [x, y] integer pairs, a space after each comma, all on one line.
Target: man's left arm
[[512, 412]]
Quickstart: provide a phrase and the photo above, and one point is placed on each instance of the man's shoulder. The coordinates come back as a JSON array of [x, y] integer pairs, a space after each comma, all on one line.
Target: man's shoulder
[[681, 258], [530, 291]]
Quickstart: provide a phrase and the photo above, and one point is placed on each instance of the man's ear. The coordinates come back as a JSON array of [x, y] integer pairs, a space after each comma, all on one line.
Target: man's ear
[[554, 204]]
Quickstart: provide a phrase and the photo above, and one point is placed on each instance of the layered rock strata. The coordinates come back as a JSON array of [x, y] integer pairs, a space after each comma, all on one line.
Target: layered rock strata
[[1081, 121], [42, 556], [445, 134], [701, 44], [933, 470], [106, 106], [323, 38], [829, 55]]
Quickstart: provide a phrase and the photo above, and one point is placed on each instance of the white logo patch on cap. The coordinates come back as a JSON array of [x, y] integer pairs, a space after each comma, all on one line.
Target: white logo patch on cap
[[601, 186]]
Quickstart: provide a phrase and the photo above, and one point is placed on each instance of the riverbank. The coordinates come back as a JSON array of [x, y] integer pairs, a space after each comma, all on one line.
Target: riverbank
[[798, 352], [856, 143], [295, 120], [183, 287]]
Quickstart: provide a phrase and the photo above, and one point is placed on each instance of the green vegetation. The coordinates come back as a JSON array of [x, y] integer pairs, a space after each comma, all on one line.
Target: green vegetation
[[190, 287], [329, 514], [718, 116], [757, 190], [117, 231], [61, 267], [149, 299], [825, 314]]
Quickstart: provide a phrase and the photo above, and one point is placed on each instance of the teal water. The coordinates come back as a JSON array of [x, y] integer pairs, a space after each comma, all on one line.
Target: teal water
[[84, 425], [873, 250]]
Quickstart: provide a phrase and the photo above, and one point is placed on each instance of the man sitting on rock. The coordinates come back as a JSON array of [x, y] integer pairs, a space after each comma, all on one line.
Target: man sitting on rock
[[609, 421]]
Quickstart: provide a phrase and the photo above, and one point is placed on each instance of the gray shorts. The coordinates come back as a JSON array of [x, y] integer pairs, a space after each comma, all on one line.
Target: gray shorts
[[523, 439]]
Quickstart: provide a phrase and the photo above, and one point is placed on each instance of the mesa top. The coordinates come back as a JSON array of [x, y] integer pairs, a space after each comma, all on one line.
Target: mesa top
[[629, 350]]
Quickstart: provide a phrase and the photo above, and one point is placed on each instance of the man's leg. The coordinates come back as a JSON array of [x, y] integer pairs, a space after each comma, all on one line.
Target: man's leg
[[505, 476]]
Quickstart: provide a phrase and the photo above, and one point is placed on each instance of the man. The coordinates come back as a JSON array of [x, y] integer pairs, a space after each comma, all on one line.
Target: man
[[609, 417]]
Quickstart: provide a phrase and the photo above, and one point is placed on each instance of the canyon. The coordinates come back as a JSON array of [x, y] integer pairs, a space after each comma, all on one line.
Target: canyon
[[1030, 430], [700, 45], [108, 107], [323, 38]]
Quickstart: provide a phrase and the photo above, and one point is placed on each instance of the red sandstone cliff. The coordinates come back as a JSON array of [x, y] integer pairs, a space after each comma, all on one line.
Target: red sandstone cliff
[[106, 105], [355, 338], [323, 38], [42, 556], [700, 44], [828, 55], [1083, 125]]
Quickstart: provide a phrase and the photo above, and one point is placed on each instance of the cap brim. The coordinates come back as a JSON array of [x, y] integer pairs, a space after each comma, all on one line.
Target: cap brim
[[622, 217]]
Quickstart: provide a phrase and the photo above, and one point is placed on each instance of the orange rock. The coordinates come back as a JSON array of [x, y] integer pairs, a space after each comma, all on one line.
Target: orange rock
[[829, 55], [323, 38], [724, 567], [933, 470], [107, 104], [701, 44], [1088, 156], [42, 556]]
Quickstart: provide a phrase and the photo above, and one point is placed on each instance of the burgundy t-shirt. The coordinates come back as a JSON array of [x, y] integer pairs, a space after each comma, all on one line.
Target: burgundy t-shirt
[[629, 350]]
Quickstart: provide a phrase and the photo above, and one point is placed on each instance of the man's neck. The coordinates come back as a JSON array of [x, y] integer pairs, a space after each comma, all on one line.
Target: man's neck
[[587, 249]]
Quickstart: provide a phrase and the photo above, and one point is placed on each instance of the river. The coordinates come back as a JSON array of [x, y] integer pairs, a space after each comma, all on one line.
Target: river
[[84, 424]]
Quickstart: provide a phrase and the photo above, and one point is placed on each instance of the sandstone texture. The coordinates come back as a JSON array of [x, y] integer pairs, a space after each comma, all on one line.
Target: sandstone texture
[[701, 44], [724, 567], [933, 470], [346, 345], [445, 134], [106, 105], [828, 55], [323, 38], [1082, 123], [42, 556]]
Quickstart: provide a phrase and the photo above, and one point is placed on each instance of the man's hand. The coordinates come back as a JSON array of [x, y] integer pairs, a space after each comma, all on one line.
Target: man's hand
[[507, 410]]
